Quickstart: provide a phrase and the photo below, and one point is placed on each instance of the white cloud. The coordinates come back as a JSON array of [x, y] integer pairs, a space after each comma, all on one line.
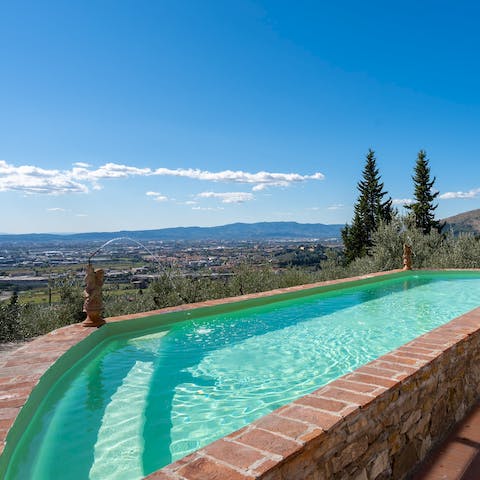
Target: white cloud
[[81, 215], [475, 192], [81, 177], [402, 201], [336, 206], [114, 170], [56, 209], [31, 179], [228, 197], [207, 209], [230, 176], [157, 196]]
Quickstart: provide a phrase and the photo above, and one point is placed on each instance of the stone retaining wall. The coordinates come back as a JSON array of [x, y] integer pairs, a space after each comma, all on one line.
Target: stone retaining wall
[[378, 422]]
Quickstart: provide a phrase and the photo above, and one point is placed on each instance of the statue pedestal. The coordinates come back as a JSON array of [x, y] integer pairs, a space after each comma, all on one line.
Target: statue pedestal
[[94, 319]]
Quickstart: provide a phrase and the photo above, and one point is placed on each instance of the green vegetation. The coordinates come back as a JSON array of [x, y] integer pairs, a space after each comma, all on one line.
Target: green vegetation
[[302, 256], [19, 321], [369, 211], [423, 207]]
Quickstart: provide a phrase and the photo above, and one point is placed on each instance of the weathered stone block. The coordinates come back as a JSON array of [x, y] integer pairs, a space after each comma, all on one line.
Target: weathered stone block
[[349, 454], [410, 420], [405, 461], [379, 465], [301, 466], [425, 447], [362, 475], [396, 441], [421, 428]]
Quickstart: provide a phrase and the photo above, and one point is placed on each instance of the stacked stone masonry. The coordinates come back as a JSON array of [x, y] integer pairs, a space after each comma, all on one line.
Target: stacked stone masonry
[[375, 423]]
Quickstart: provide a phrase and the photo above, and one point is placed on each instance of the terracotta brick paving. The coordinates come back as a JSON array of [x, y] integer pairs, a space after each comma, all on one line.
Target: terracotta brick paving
[[21, 369], [458, 458]]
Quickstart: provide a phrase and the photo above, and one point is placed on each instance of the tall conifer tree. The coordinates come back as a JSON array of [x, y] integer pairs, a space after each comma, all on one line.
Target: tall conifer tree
[[369, 211], [423, 207]]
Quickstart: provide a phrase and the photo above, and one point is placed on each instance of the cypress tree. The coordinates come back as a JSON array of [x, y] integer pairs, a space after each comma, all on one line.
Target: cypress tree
[[423, 208], [369, 211]]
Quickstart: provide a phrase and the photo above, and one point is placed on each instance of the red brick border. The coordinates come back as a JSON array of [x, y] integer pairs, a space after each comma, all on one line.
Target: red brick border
[[376, 422]]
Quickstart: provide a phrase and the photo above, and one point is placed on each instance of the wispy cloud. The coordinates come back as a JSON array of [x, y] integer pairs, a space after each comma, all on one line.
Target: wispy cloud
[[402, 201], [228, 197], [336, 206], [474, 193], [56, 209], [157, 196], [261, 179], [207, 209], [81, 177], [67, 211]]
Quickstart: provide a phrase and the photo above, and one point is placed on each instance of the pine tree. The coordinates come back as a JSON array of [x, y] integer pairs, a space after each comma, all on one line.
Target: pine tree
[[423, 207], [369, 211]]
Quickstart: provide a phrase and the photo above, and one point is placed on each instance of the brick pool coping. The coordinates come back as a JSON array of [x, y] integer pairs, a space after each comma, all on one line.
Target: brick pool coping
[[276, 445]]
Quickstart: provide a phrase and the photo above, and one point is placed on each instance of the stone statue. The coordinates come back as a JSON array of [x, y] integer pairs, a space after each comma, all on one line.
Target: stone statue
[[93, 305], [407, 257]]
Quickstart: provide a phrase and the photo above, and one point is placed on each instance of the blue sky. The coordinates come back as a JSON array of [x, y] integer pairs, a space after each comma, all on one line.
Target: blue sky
[[140, 115]]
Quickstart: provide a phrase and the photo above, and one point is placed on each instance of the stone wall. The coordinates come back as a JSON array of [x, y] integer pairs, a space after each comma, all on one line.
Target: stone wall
[[378, 422]]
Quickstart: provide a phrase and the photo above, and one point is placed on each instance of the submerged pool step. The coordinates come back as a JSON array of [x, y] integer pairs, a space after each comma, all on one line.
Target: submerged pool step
[[120, 433]]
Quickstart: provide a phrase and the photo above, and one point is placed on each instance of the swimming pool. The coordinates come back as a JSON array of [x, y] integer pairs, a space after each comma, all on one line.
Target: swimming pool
[[196, 380]]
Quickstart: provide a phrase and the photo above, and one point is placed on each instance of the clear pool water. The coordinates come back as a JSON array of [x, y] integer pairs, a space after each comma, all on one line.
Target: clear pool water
[[150, 398]]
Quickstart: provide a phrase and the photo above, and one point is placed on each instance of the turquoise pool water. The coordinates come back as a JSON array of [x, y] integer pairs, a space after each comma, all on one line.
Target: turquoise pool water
[[149, 398]]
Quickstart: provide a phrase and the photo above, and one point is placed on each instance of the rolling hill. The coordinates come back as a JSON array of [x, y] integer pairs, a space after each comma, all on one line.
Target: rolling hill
[[234, 231], [466, 222]]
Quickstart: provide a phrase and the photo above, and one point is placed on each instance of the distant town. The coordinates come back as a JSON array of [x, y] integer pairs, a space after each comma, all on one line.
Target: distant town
[[37, 266]]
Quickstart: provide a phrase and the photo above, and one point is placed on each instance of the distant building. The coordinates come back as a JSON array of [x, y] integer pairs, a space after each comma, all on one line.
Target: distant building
[[25, 281]]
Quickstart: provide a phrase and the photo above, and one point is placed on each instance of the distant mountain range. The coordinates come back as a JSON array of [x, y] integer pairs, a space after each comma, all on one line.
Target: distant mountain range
[[234, 231], [466, 222], [463, 222]]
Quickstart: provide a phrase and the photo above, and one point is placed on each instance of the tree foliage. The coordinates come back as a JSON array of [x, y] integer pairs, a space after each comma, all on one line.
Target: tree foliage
[[423, 208], [370, 211]]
